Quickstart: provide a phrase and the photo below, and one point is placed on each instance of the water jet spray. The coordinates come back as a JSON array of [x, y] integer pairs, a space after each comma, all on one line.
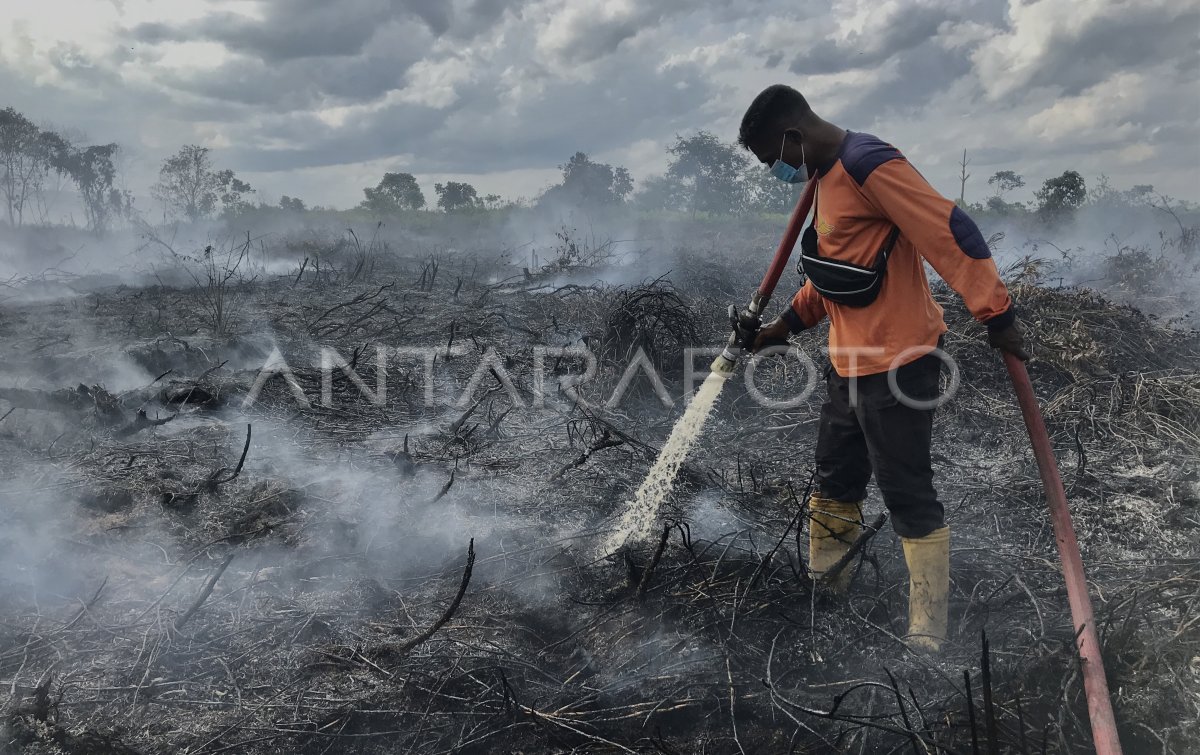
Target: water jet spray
[[641, 513]]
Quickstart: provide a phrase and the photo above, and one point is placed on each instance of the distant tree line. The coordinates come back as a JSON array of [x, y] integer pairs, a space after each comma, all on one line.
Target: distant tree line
[[1060, 196], [704, 176], [31, 157]]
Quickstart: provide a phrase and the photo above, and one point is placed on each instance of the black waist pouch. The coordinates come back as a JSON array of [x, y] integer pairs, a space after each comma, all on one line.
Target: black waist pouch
[[844, 282]]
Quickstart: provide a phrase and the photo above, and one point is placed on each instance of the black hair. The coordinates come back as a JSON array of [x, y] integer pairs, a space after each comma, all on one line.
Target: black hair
[[772, 105]]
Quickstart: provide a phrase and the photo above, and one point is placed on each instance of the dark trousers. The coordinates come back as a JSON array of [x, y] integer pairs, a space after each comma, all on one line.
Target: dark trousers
[[874, 430]]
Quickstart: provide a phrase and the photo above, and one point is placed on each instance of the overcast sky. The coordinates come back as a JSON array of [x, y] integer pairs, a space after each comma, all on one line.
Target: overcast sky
[[317, 98]]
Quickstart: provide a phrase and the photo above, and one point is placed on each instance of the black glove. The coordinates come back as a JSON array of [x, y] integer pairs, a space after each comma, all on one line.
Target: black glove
[[745, 326], [1009, 339], [774, 333]]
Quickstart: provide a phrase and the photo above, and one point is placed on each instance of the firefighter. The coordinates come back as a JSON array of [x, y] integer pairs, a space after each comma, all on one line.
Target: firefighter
[[875, 220]]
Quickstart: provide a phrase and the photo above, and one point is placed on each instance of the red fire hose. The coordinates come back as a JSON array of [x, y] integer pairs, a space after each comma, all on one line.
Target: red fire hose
[[762, 296], [786, 244], [1095, 685]]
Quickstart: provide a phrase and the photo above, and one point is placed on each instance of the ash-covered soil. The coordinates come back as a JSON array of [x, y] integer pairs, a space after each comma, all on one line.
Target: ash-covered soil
[[186, 570]]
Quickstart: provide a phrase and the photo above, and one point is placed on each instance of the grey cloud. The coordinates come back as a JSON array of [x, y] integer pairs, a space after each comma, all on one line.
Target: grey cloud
[[592, 37], [477, 16], [921, 73], [155, 33], [291, 29], [602, 39], [455, 18], [903, 30], [309, 82], [73, 64], [1077, 59], [540, 132]]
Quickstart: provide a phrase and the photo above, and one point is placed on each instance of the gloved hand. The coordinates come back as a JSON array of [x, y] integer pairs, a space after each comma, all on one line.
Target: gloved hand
[[745, 325], [1010, 340], [774, 333]]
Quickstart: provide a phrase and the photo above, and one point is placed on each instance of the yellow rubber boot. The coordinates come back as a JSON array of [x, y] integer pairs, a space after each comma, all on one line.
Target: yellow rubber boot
[[833, 527], [928, 561]]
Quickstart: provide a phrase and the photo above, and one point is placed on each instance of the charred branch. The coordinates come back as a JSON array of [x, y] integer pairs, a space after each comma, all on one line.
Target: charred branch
[[856, 548], [648, 572], [141, 422], [216, 479], [407, 646], [606, 440], [205, 592]]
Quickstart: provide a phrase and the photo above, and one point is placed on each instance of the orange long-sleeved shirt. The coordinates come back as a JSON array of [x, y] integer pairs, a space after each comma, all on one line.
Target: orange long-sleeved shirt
[[869, 187]]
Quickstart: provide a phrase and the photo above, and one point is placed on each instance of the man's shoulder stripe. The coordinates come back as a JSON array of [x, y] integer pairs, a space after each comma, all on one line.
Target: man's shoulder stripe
[[864, 153]]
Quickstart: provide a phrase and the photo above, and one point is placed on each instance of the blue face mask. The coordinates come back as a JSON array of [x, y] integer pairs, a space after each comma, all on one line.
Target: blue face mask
[[787, 173]]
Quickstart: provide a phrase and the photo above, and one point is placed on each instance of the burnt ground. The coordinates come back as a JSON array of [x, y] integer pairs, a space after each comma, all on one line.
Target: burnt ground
[[182, 571]]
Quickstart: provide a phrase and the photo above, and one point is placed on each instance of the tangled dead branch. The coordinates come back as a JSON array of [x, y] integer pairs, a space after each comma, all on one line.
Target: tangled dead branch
[[652, 318]]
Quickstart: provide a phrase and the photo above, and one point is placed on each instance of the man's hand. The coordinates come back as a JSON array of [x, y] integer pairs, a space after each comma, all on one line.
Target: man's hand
[[745, 325], [1009, 340], [774, 333]]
